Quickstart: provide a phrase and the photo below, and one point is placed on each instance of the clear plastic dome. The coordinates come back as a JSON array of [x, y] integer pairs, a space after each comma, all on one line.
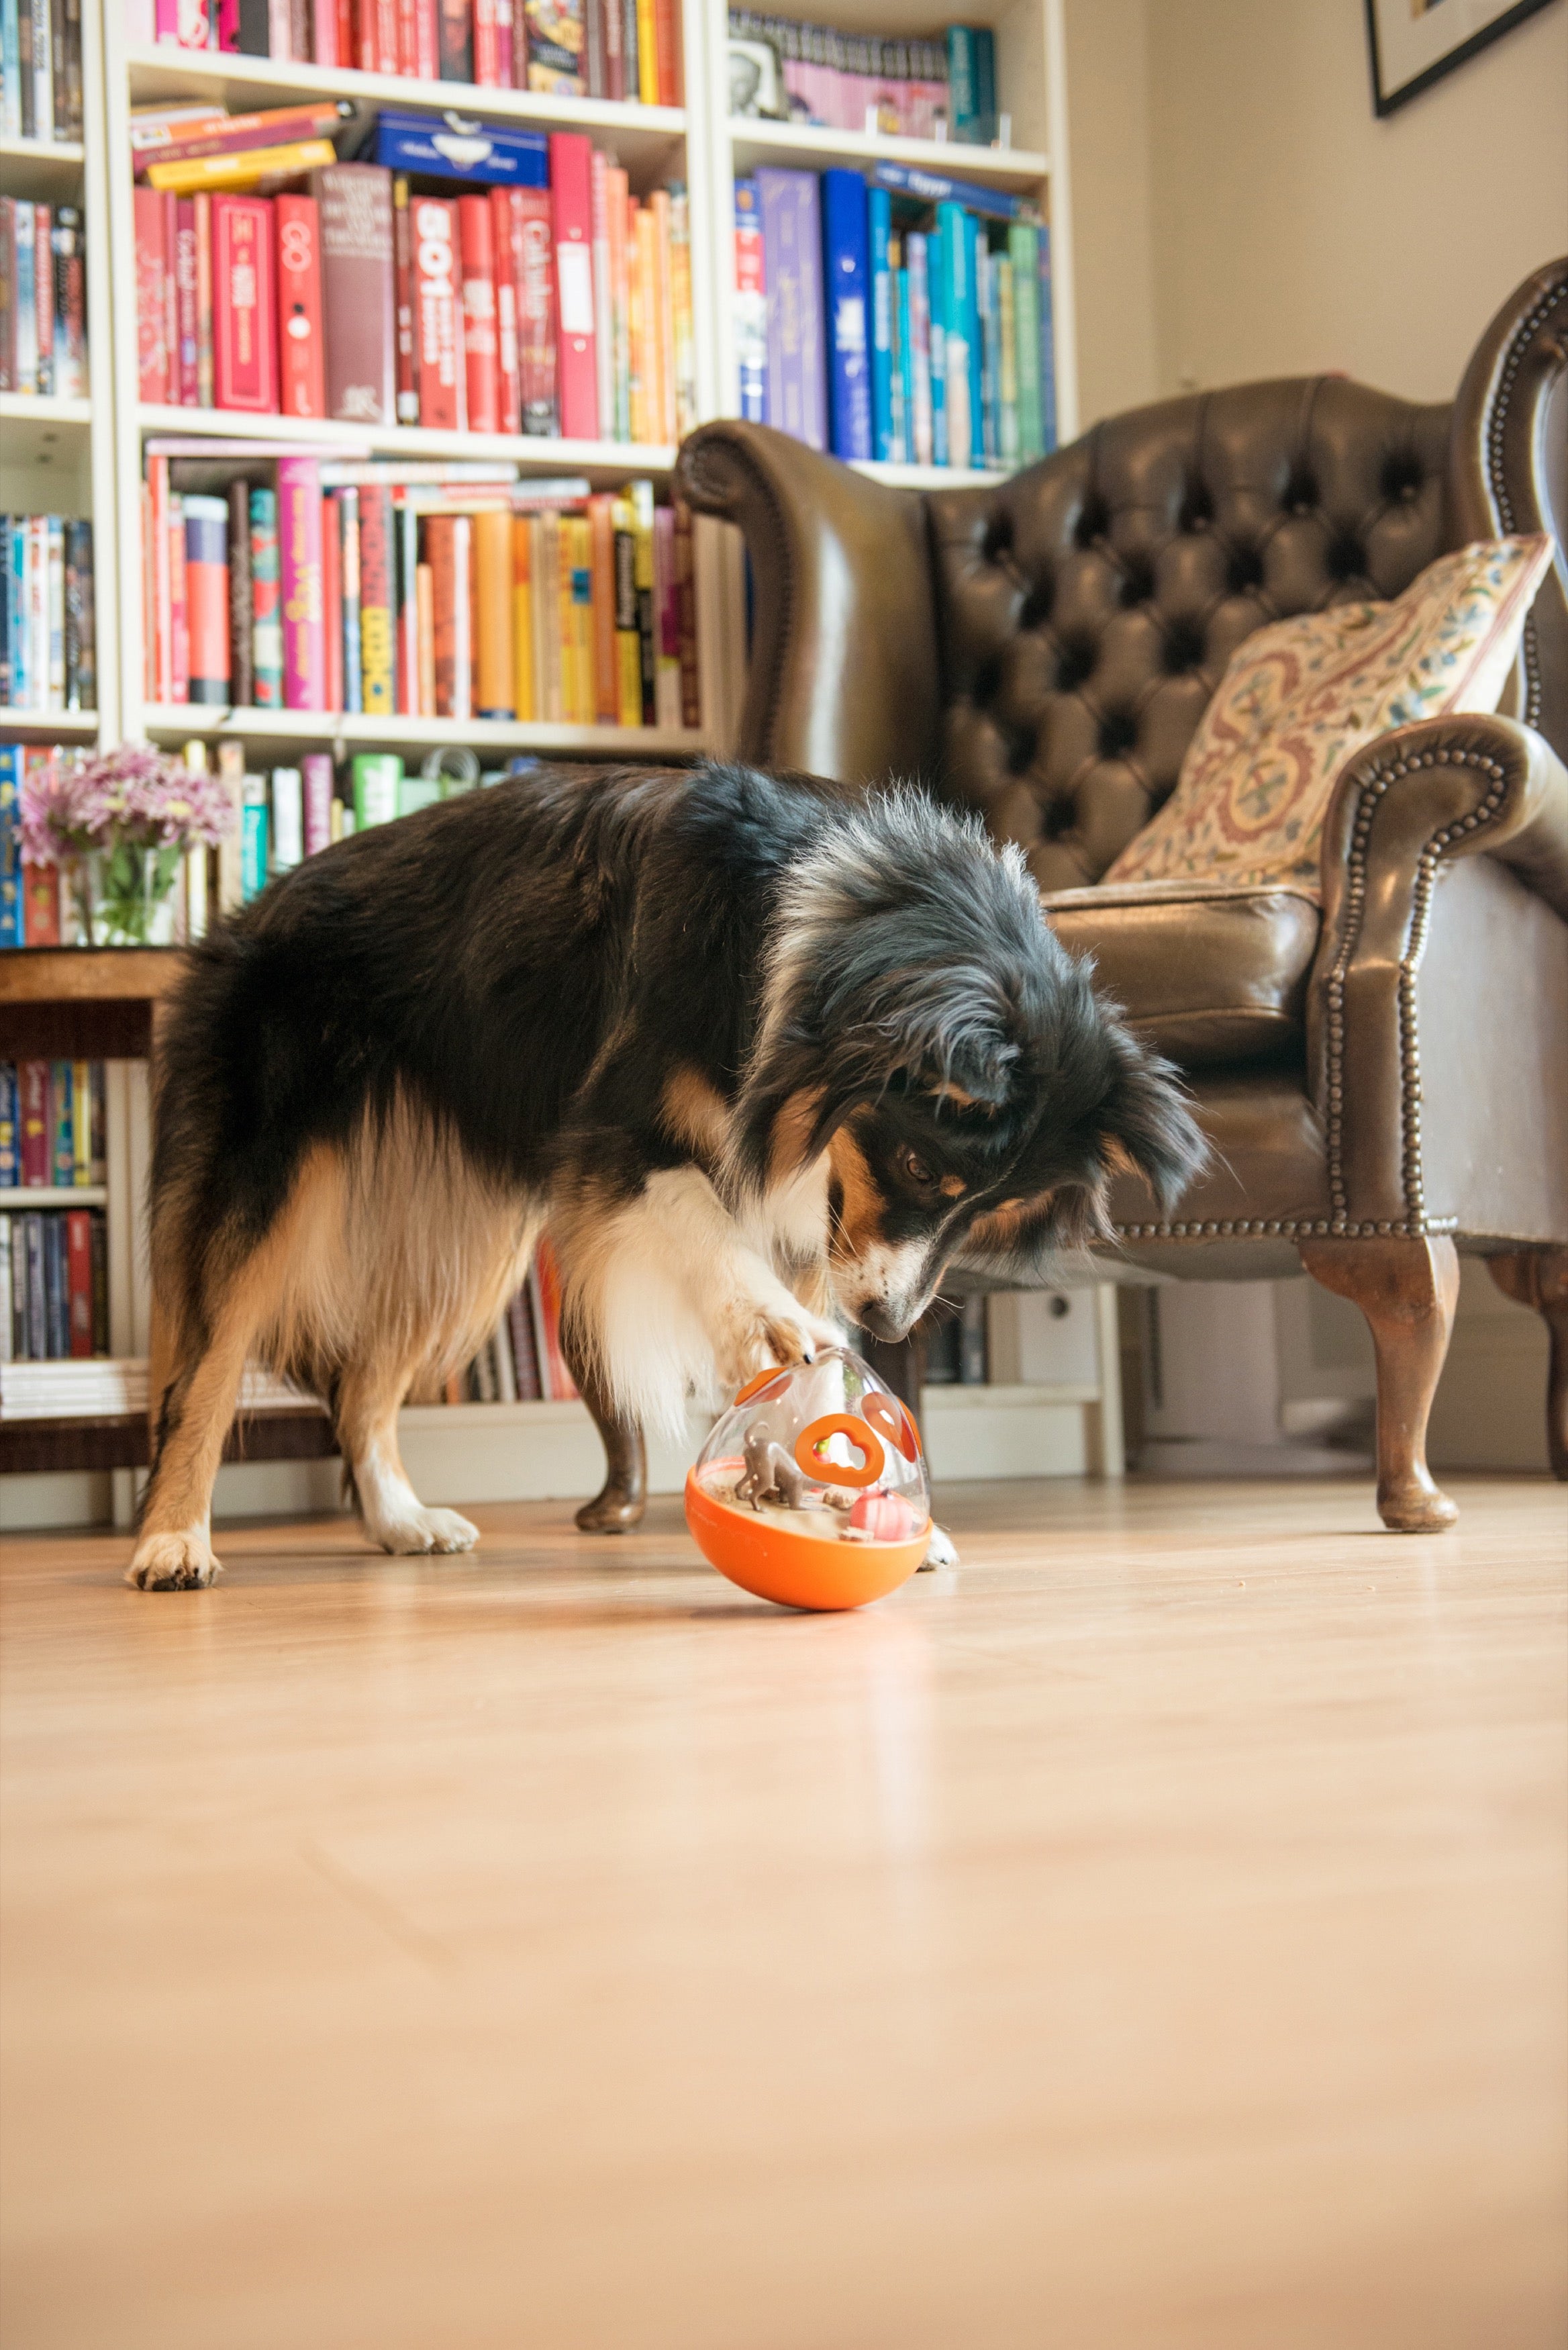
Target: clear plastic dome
[[812, 1488]]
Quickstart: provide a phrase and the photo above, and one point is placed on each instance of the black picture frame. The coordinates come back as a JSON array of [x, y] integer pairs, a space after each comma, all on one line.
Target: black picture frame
[[1385, 102]]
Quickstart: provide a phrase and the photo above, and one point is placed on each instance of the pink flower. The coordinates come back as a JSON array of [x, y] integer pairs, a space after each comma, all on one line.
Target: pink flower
[[134, 794]]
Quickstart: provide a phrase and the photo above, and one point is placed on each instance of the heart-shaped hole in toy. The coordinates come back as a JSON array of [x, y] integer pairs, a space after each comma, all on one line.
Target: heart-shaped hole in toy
[[810, 1443], [893, 1419]]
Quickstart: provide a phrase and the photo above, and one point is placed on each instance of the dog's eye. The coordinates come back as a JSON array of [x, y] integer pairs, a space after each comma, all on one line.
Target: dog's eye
[[916, 1169]]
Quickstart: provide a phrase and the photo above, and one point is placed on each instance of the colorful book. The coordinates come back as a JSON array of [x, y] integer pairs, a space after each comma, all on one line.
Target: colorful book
[[357, 291], [300, 584], [846, 270], [571, 196], [792, 238], [302, 363]]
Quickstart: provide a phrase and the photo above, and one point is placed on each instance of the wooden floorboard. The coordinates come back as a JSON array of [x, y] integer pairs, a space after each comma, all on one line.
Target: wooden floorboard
[[1152, 1933]]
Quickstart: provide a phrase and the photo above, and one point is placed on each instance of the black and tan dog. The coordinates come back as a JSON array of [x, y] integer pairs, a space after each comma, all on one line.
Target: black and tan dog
[[762, 1055]]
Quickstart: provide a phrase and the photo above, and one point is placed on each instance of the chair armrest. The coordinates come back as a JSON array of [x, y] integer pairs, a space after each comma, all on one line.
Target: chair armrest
[[1435, 996], [844, 668]]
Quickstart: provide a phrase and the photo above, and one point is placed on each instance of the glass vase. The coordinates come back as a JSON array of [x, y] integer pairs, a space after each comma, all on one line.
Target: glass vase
[[126, 895]]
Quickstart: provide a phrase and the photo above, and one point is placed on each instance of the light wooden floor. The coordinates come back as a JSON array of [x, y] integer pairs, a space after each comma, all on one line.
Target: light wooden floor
[[1152, 1934]]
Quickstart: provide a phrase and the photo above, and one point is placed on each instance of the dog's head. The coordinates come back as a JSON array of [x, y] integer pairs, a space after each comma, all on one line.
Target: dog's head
[[924, 1029]]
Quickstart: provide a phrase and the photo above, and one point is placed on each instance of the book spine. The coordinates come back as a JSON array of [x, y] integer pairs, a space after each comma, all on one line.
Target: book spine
[[377, 782], [1047, 348], [556, 41], [630, 42], [378, 642], [56, 1294], [335, 685], [446, 539], [267, 628], [442, 405], [562, 1387], [62, 1123], [958, 300], [571, 195], [594, 47], [791, 236], [302, 369], [315, 770], [667, 43], [245, 337], [880, 223], [537, 312], [647, 53], [751, 304], [604, 346], [82, 1111], [78, 1282], [13, 930], [919, 304], [1023, 248], [493, 690], [286, 838], [253, 838], [403, 288], [667, 620], [179, 617], [33, 1088], [357, 291], [70, 305], [523, 686], [206, 364], [455, 41], [663, 315], [846, 269], [975, 330], [408, 535], [508, 402], [241, 609], [324, 46], [486, 53], [299, 570], [152, 343], [963, 103], [601, 540], [646, 630], [480, 348], [427, 40], [207, 598], [685, 593], [524, 1357], [81, 625]]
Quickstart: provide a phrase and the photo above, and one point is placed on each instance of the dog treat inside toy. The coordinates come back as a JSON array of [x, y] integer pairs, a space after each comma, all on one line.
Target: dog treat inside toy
[[808, 1465]]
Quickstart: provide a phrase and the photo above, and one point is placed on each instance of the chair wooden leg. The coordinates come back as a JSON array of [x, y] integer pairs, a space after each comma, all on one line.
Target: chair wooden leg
[[621, 1500], [1408, 1290], [1538, 1278]]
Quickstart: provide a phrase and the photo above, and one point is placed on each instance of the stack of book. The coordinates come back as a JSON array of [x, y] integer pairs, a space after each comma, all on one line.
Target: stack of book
[[907, 319], [30, 905], [40, 69], [113, 1386], [43, 299], [54, 1262], [52, 1131], [47, 654], [842, 81], [547, 299], [427, 590], [621, 50]]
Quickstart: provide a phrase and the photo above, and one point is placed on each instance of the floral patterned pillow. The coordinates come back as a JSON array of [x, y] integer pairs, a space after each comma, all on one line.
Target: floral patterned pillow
[[1300, 698]]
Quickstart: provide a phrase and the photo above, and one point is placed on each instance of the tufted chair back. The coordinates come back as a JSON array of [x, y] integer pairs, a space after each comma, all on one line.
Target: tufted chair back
[[1086, 610]]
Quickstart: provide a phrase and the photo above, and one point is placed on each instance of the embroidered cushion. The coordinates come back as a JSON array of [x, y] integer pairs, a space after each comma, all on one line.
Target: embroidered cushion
[[1301, 698]]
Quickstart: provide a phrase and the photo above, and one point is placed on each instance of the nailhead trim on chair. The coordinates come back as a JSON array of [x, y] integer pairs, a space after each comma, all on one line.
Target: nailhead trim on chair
[[1524, 336], [1375, 784], [1285, 1228]]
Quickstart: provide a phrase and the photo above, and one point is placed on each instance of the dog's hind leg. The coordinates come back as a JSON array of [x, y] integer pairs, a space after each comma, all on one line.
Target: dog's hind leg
[[622, 1502], [369, 1395]]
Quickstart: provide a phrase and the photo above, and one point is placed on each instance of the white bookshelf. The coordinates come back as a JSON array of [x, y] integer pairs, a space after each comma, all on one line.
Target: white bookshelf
[[87, 457]]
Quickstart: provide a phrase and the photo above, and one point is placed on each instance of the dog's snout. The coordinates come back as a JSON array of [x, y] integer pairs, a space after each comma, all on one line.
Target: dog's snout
[[885, 1321]]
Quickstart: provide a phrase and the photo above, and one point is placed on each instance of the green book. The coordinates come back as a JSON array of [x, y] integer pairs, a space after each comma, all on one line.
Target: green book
[[1024, 247], [377, 787]]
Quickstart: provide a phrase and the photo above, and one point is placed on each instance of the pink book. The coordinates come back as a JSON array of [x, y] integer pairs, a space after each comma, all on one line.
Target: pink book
[[152, 337], [300, 564], [317, 768], [571, 198]]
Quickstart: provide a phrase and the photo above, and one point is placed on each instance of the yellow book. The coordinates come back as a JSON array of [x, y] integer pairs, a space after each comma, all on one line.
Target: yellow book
[[645, 338], [576, 623], [424, 612], [237, 174], [523, 619], [663, 317], [81, 1118], [647, 53], [683, 331], [548, 606]]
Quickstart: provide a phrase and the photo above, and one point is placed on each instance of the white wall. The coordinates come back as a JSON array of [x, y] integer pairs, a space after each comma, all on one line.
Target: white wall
[[1241, 213]]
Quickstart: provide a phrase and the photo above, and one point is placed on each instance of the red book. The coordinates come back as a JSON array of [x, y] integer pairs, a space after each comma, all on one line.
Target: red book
[[357, 298], [448, 540], [187, 308], [505, 308], [438, 345], [378, 36], [533, 270], [427, 39], [299, 593], [571, 196], [35, 1117], [479, 343], [324, 35], [407, 38], [665, 38], [332, 600], [486, 53], [244, 355], [171, 232], [152, 342], [403, 292], [548, 1274], [301, 360], [78, 1279], [377, 636]]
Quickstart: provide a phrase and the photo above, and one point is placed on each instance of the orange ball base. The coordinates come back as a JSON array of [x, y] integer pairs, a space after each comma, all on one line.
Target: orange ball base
[[797, 1570]]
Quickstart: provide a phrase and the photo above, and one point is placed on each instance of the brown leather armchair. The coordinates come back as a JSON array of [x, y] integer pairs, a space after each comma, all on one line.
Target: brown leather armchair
[[1384, 1075]]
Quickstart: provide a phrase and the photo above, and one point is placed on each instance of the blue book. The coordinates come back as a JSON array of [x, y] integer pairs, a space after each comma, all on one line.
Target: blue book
[[37, 1308], [492, 154], [953, 278], [1047, 351], [984, 41], [884, 327], [937, 357], [797, 339], [904, 379], [964, 82], [10, 69], [57, 1291], [63, 1126], [21, 619], [975, 328], [12, 928], [253, 838], [6, 697], [751, 304], [847, 277], [933, 188], [10, 1151]]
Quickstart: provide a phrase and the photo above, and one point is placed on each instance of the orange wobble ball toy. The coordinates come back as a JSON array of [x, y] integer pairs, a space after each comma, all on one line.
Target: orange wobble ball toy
[[812, 1489]]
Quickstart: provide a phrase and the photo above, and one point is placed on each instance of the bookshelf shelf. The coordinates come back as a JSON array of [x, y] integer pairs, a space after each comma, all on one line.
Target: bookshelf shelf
[[181, 721], [609, 461], [1017, 171], [644, 135], [47, 725], [47, 169], [43, 434], [21, 1196]]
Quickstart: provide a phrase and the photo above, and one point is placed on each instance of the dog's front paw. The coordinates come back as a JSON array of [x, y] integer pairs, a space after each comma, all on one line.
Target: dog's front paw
[[941, 1550], [424, 1530], [183, 1561], [772, 1336]]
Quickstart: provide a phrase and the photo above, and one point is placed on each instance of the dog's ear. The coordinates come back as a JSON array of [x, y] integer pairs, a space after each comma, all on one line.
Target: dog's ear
[[1144, 1122]]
